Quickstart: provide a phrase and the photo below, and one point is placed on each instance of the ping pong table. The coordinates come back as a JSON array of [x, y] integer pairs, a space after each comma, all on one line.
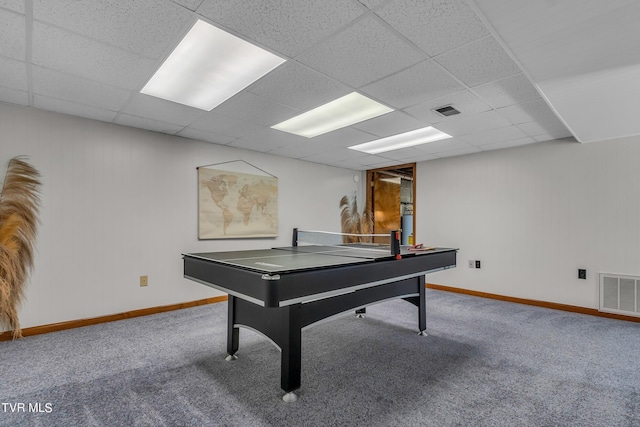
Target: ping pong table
[[280, 291]]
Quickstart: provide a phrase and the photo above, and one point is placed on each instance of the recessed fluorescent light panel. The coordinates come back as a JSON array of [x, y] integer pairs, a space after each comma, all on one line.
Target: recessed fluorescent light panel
[[208, 67], [339, 113], [402, 140]]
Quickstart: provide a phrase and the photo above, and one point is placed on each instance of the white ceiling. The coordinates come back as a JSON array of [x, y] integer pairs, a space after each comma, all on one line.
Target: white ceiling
[[502, 63]]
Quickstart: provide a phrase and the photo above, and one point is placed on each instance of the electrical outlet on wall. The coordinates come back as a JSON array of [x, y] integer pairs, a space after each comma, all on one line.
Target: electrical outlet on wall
[[144, 280], [477, 263], [472, 264], [582, 273]]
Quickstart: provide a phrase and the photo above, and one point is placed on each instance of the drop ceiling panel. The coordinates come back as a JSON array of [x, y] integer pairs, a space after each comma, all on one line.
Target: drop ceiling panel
[[344, 137], [73, 109], [581, 57], [434, 25], [146, 27], [493, 136], [77, 55], [189, 4], [298, 86], [464, 101], [578, 54], [299, 150], [343, 154], [567, 38], [443, 145], [459, 152], [223, 125], [466, 124], [554, 135], [12, 40], [507, 144], [422, 157], [390, 124], [536, 110], [150, 107], [13, 96], [13, 74], [353, 55], [508, 91], [368, 162], [256, 109], [403, 154], [539, 129], [418, 83], [149, 124], [267, 140], [15, 5], [202, 135], [599, 105], [286, 26], [54, 84], [479, 62]]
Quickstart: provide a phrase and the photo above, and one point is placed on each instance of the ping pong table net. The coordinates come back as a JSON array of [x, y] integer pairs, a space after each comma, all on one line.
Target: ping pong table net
[[388, 243]]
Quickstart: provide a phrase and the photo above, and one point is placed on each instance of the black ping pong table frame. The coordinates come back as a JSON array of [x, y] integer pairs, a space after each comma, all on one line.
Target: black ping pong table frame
[[280, 305]]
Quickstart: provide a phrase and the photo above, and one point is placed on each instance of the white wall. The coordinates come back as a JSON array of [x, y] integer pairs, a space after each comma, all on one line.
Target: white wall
[[118, 203], [533, 215]]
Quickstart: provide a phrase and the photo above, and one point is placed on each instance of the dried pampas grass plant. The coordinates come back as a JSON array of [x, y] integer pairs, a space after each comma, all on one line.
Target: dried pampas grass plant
[[19, 208], [352, 221]]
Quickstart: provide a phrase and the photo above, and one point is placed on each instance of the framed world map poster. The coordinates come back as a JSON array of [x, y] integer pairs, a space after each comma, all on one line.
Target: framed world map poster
[[236, 204]]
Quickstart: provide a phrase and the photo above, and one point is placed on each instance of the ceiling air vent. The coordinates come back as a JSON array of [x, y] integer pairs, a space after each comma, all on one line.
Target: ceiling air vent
[[447, 110]]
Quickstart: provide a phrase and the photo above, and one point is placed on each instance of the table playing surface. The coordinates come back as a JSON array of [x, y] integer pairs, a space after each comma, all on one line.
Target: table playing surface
[[296, 258]]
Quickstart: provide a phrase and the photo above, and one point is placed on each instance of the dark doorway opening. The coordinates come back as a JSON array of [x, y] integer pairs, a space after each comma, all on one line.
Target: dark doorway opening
[[391, 196]]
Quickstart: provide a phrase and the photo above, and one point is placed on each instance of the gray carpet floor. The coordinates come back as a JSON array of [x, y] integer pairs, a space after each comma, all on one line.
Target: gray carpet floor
[[485, 363]]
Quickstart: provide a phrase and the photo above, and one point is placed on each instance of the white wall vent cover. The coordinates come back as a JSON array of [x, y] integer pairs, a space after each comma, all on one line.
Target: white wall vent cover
[[620, 294]]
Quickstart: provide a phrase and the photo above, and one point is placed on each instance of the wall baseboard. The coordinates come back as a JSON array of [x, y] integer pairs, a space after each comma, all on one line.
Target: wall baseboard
[[545, 304], [53, 327]]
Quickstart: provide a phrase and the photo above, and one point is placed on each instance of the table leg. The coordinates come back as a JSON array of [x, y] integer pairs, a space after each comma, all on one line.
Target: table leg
[[233, 333], [422, 309], [291, 347]]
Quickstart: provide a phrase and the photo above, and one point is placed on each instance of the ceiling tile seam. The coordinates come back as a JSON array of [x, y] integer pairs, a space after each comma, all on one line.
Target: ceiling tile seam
[[527, 133], [12, 58], [245, 119], [13, 12], [300, 64], [434, 59], [93, 39], [361, 5], [28, 25], [298, 110], [188, 127], [474, 6], [472, 90], [373, 82], [450, 74], [366, 12], [377, 7], [186, 8], [445, 69], [462, 83], [73, 102], [81, 78], [403, 37], [501, 114]]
